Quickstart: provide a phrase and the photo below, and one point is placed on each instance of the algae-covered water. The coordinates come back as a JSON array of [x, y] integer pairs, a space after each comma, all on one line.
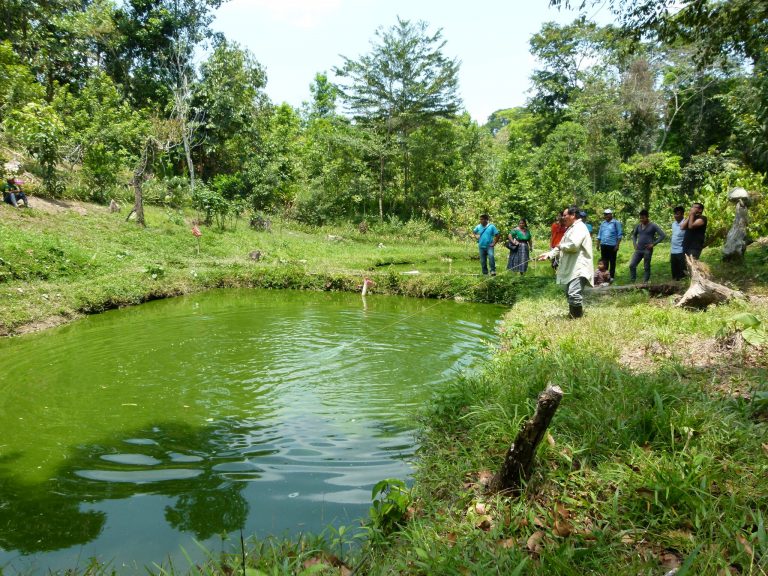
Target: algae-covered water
[[130, 435]]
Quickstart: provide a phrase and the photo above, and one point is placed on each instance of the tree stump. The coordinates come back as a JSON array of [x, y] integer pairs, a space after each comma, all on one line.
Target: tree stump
[[736, 241], [518, 463], [702, 292]]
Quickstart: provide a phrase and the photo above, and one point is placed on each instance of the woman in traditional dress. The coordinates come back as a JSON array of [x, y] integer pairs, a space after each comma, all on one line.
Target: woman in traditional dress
[[520, 246]]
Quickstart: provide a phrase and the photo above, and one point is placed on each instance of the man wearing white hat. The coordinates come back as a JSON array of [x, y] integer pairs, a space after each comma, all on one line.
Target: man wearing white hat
[[609, 239]]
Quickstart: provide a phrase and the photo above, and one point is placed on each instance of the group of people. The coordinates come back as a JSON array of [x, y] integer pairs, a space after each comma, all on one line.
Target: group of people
[[519, 242], [571, 248], [12, 193]]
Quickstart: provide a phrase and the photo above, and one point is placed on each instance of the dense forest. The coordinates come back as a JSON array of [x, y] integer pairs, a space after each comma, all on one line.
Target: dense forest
[[101, 99]]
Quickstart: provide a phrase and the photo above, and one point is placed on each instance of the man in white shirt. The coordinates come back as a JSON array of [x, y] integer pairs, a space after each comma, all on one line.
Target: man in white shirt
[[676, 255], [576, 269]]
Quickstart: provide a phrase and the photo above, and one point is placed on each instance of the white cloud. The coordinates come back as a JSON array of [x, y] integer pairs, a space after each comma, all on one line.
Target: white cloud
[[305, 14]]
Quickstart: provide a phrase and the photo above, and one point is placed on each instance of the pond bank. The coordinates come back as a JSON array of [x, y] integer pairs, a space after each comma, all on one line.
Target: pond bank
[[58, 265]]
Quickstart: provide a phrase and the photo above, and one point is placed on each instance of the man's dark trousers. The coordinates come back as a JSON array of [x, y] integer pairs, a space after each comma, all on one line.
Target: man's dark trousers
[[608, 253], [678, 266]]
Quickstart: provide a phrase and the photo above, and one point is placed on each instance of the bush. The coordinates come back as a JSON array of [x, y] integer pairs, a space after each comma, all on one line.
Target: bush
[[211, 203]]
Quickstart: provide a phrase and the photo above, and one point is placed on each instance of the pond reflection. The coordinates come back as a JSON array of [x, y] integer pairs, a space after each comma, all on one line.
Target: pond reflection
[[128, 434]]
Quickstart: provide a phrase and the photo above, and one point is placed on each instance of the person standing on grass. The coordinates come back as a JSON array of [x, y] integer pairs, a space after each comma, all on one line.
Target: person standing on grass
[[644, 236], [676, 255], [520, 245], [557, 231], [556, 234], [487, 235], [609, 237], [695, 226], [576, 270]]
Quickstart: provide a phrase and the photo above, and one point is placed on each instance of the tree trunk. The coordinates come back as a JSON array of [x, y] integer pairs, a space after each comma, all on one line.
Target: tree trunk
[[190, 163], [736, 241], [138, 201], [518, 462], [381, 187], [664, 289], [137, 183], [702, 292]]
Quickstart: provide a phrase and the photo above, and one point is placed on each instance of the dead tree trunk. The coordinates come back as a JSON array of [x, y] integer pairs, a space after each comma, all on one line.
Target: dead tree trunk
[[518, 463], [736, 241], [702, 292], [664, 289], [137, 182]]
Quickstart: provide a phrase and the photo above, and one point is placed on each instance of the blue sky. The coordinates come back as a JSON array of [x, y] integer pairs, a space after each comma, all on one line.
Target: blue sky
[[294, 39]]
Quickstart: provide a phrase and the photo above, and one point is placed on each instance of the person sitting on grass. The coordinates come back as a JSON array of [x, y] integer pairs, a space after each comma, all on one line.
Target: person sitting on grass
[[12, 193], [602, 275]]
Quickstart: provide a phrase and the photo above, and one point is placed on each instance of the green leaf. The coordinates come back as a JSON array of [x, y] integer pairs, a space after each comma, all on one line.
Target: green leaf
[[754, 337], [746, 320]]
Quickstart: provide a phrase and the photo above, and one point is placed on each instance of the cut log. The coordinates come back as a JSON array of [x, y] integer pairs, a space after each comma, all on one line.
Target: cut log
[[518, 463], [702, 292], [664, 289]]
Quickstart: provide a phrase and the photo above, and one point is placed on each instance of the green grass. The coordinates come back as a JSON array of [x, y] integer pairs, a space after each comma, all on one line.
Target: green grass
[[657, 457], [651, 463], [65, 264]]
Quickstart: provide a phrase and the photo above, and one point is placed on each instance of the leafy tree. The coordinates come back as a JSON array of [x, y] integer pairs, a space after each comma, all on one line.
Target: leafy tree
[[276, 171], [650, 181], [449, 157], [642, 105], [565, 52], [563, 168], [598, 109], [45, 36], [324, 96], [39, 129], [230, 98], [517, 172], [404, 83], [104, 132], [340, 167], [17, 82], [157, 39], [712, 29]]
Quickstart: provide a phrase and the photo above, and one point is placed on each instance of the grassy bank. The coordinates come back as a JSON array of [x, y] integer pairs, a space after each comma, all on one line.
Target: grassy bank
[[61, 261], [656, 459]]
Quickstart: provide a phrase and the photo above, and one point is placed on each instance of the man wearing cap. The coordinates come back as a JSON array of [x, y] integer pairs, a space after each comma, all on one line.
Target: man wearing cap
[[576, 270], [609, 239]]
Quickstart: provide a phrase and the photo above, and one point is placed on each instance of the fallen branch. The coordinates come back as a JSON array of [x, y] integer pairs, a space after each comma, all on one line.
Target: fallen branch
[[518, 463], [664, 289], [702, 292]]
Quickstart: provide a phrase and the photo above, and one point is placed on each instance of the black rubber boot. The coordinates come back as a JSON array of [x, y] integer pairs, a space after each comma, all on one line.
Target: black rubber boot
[[575, 311]]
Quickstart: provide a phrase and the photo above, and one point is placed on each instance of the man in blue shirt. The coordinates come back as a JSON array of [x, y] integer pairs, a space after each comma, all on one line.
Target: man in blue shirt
[[487, 235], [609, 239], [676, 255]]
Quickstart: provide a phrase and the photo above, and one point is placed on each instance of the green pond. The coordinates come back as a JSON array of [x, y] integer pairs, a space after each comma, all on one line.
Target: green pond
[[132, 435]]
